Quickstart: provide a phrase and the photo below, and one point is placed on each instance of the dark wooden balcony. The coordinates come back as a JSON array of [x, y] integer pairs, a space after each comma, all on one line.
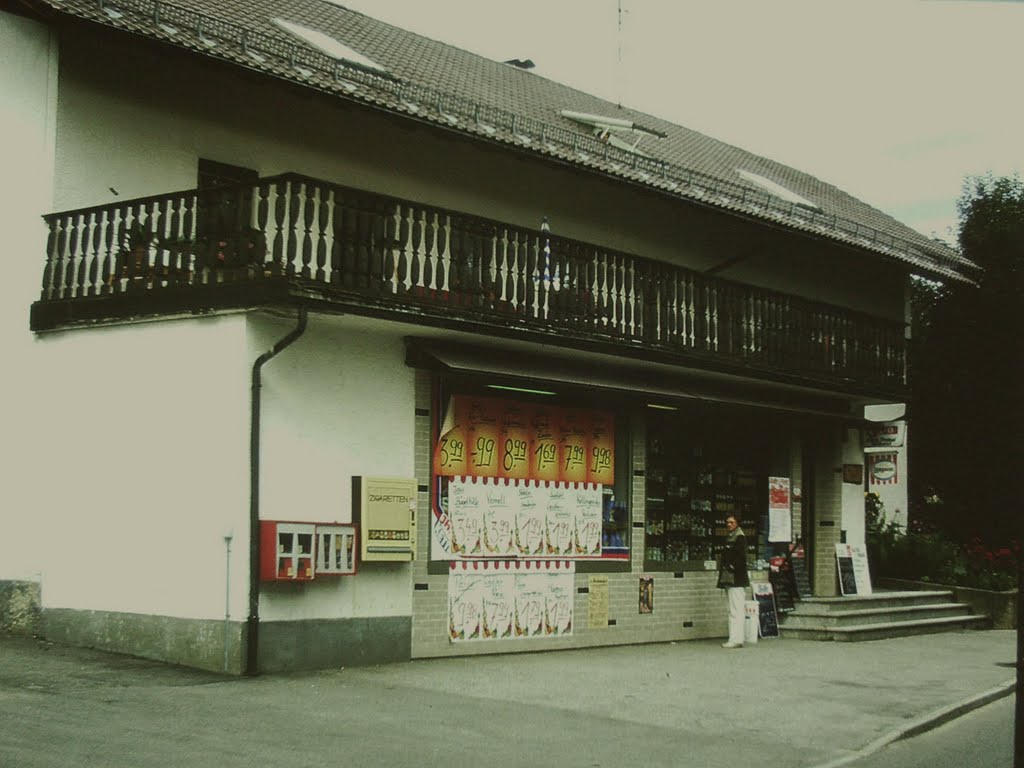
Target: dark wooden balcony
[[291, 239]]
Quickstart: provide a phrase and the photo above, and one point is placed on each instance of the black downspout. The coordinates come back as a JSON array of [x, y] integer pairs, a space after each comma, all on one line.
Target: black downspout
[[253, 622]]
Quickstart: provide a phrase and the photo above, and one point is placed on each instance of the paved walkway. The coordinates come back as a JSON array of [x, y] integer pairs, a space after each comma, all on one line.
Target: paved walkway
[[779, 702]]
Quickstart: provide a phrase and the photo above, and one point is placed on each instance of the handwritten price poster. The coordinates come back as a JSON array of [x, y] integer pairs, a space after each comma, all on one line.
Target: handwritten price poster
[[504, 600], [492, 437], [493, 517]]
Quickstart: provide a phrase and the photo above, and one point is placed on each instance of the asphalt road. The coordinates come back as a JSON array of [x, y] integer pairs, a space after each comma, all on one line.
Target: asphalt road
[[786, 703], [979, 739]]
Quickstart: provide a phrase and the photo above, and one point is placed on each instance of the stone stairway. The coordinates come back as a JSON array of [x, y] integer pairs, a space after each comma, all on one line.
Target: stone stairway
[[879, 615]]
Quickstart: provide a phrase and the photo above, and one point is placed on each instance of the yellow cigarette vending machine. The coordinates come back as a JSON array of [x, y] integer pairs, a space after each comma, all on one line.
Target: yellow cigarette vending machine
[[385, 510]]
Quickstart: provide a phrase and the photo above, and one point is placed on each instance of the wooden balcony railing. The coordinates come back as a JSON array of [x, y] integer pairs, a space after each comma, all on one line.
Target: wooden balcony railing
[[350, 245]]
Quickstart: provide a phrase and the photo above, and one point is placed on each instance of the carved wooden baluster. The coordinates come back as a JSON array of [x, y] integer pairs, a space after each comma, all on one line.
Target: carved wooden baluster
[[678, 306], [430, 234], [633, 308], [159, 221], [697, 311], [484, 271], [345, 240], [71, 259], [292, 254], [302, 196], [443, 256], [323, 223], [364, 246], [384, 275], [105, 253], [457, 277], [572, 285], [519, 273], [280, 213], [262, 221], [623, 300], [729, 321], [505, 266], [176, 255], [46, 291], [95, 280], [417, 247], [398, 231], [499, 270]]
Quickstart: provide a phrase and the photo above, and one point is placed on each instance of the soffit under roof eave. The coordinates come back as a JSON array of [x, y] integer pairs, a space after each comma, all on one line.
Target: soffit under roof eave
[[634, 382]]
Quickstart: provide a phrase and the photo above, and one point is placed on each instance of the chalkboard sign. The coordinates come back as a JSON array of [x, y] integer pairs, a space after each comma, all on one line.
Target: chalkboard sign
[[767, 615], [802, 582], [847, 580], [782, 585], [854, 578]]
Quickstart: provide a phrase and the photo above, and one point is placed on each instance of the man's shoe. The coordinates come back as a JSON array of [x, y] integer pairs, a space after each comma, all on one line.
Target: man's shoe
[[732, 645]]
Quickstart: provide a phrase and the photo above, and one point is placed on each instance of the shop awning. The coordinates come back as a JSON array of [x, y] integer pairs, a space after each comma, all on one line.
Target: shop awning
[[655, 384]]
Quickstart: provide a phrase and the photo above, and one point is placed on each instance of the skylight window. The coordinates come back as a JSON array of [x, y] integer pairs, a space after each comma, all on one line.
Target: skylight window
[[778, 190], [620, 133], [328, 45]]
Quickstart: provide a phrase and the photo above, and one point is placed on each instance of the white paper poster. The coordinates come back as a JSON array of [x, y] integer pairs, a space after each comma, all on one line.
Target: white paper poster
[[559, 521], [530, 516], [466, 501], [493, 600], [780, 518], [499, 519], [587, 538]]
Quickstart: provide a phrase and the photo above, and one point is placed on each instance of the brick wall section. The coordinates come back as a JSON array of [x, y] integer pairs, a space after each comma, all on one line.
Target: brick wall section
[[828, 508], [691, 599]]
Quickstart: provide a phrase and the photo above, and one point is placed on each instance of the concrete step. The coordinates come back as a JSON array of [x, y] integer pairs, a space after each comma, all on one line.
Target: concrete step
[[883, 630], [875, 600], [810, 617]]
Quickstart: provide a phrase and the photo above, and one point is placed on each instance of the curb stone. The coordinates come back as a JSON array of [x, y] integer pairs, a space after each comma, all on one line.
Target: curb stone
[[927, 722]]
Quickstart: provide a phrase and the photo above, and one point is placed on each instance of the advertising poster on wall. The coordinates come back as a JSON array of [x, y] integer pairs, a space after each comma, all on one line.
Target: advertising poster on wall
[[780, 519], [597, 602], [646, 601], [491, 600], [883, 469], [493, 517], [492, 437]]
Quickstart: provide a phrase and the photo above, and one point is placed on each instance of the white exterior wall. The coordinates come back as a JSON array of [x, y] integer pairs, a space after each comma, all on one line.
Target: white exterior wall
[[143, 430], [28, 93], [338, 402]]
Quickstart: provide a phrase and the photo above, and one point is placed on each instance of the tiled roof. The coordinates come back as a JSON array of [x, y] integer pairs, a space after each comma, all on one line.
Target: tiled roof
[[493, 101]]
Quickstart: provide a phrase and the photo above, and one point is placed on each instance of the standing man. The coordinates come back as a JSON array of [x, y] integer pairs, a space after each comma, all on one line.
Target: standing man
[[732, 577]]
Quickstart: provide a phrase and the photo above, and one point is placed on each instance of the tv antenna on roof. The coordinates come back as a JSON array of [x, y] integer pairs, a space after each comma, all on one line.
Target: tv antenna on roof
[[618, 72]]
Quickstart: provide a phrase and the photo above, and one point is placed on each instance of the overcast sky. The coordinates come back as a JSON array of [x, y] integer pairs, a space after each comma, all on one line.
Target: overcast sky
[[894, 101]]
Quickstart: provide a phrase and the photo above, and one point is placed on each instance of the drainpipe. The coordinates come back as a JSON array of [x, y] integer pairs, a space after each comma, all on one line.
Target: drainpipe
[[253, 621]]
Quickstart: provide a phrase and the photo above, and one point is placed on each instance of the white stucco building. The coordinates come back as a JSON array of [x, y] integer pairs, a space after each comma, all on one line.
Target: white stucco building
[[219, 186]]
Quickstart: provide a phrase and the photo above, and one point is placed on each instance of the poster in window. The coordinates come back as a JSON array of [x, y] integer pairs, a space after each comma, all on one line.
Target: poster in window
[[499, 518], [466, 500], [601, 467], [573, 445], [544, 463], [531, 512], [484, 436], [646, 594], [450, 454], [515, 441], [559, 520], [780, 525], [587, 525]]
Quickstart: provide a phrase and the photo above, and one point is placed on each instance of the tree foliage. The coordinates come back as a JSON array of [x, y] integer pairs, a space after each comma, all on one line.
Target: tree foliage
[[966, 367]]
